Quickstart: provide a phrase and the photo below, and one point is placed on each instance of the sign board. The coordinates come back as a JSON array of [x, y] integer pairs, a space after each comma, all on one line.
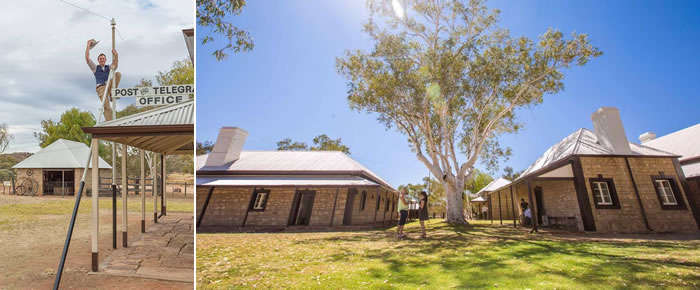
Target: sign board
[[7, 183], [153, 91], [160, 100]]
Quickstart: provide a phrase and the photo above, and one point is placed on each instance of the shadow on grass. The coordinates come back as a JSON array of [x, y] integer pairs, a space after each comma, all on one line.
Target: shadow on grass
[[476, 255]]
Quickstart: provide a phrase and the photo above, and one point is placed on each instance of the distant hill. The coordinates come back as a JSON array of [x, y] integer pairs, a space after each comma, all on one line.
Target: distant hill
[[8, 160]]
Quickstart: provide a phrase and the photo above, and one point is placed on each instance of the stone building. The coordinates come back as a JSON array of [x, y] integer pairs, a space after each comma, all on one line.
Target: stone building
[[57, 169], [685, 143], [277, 189], [598, 181]]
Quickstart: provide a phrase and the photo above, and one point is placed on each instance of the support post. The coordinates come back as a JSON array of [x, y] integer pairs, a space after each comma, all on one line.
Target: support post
[[639, 198], [533, 207], [512, 205], [374, 221], [500, 212], [206, 204], [142, 190], [63, 183], [114, 208], [335, 202], [95, 225], [164, 174], [154, 174], [125, 193], [250, 204]]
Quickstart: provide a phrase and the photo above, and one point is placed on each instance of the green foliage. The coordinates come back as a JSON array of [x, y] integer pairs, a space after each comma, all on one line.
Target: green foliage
[[205, 147], [182, 72], [479, 181], [287, 144], [69, 127], [450, 79], [321, 143], [5, 137], [511, 175], [211, 14]]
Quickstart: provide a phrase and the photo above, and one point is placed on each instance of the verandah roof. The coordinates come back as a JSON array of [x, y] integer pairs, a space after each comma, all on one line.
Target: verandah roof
[[168, 129], [274, 181]]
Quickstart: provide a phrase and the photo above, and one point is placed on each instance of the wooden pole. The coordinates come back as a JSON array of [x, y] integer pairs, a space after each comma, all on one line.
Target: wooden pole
[[114, 155], [533, 211], [164, 178], [142, 190], [154, 175], [95, 225], [125, 193], [500, 213], [335, 202], [512, 205]]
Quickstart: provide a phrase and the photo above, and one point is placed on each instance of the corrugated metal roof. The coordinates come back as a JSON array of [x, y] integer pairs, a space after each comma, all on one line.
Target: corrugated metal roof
[[685, 142], [175, 114], [584, 142], [327, 180], [60, 154], [496, 184], [293, 161]]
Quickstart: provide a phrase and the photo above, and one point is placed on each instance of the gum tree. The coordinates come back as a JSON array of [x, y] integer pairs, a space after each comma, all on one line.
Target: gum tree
[[445, 75]]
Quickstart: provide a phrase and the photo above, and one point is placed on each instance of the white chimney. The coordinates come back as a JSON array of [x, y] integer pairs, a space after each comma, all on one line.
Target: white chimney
[[609, 130], [228, 146], [647, 136]]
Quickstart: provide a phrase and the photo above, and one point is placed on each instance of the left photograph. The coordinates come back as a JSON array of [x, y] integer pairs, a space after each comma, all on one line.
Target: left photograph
[[97, 107]]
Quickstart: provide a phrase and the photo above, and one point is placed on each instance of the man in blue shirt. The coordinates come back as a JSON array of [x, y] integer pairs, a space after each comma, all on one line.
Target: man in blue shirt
[[101, 73]]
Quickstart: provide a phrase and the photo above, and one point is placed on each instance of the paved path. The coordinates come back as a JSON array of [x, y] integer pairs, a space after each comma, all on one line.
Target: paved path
[[165, 252]]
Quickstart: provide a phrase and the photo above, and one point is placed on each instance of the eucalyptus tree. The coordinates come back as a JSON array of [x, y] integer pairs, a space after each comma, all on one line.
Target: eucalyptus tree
[[443, 73]]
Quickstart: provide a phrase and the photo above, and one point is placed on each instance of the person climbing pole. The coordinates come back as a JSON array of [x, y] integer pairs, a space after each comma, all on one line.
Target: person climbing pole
[[101, 73]]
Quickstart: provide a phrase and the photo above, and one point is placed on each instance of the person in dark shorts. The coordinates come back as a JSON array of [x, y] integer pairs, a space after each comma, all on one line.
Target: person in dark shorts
[[403, 212], [423, 212], [523, 206]]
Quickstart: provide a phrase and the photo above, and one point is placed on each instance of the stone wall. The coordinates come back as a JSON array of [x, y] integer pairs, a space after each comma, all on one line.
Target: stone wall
[[559, 199], [228, 206], [628, 218], [661, 220]]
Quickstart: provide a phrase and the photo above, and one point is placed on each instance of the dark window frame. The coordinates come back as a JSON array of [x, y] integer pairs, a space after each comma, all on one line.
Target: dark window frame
[[254, 197], [611, 188], [363, 200], [680, 203], [386, 208]]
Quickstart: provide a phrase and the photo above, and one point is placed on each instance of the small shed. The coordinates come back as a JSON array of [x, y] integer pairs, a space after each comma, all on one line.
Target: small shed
[[56, 169]]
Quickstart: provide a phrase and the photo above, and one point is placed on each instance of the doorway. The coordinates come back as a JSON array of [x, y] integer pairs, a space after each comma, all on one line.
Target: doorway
[[302, 206], [539, 200], [349, 202], [59, 181]]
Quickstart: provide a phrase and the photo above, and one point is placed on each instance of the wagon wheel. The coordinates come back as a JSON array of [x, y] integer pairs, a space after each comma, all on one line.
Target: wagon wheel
[[27, 186], [33, 188]]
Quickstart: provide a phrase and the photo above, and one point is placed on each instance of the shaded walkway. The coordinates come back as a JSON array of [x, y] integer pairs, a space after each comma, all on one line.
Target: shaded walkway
[[165, 252]]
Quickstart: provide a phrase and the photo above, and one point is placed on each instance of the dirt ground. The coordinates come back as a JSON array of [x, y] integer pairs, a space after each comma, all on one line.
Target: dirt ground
[[31, 247]]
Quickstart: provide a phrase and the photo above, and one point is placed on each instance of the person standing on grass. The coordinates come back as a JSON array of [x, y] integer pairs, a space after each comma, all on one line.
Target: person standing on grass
[[485, 212], [423, 212], [403, 212]]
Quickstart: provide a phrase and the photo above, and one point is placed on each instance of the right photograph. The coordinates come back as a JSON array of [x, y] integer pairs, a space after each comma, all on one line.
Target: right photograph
[[431, 144]]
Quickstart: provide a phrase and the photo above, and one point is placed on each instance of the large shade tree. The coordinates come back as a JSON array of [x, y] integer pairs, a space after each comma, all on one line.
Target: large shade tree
[[445, 75]]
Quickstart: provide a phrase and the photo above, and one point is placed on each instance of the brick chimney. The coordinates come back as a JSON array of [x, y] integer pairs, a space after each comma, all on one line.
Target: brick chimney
[[228, 146], [609, 130], [647, 136]]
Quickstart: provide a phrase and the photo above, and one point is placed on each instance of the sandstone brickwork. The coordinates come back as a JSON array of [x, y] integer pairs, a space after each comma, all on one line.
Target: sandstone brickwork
[[628, 218], [228, 207]]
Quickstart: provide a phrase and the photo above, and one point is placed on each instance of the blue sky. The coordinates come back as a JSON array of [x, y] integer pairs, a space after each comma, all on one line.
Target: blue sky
[[288, 86]]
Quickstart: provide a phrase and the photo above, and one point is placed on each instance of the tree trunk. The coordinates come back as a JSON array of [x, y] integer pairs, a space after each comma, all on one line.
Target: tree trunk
[[455, 213]]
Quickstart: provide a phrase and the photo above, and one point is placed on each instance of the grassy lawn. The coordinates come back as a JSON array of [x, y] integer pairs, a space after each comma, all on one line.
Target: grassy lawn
[[477, 256], [32, 208]]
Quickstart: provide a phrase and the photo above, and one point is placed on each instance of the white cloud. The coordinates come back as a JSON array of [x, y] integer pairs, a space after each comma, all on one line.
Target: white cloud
[[42, 45]]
